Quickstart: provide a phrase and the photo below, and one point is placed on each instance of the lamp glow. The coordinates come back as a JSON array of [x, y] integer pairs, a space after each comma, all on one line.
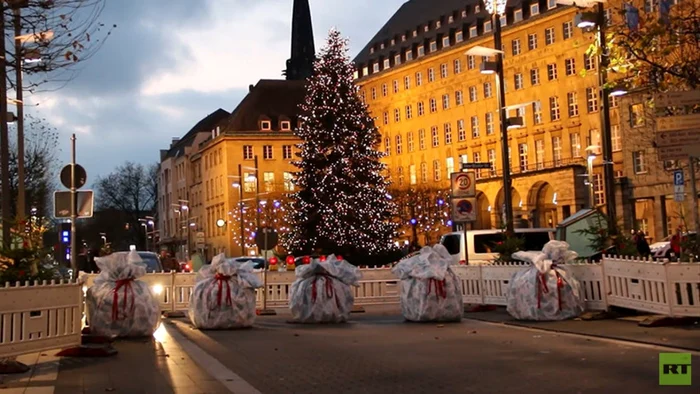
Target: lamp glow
[[499, 6], [158, 289]]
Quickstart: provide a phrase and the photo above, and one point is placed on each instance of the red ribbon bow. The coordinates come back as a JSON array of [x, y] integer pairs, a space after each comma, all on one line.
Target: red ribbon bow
[[439, 287], [542, 286], [221, 279], [126, 284], [329, 289]]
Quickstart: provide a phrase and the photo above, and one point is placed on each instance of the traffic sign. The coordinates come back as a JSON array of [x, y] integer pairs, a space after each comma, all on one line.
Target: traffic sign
[[463, 184], [80, 176], [678, 122], [463, 210], [266, 238], [678, 186], [200, 240], [678, 178], [476, 166], [678, 137], [61, 204], [677, 99], [678, 152]]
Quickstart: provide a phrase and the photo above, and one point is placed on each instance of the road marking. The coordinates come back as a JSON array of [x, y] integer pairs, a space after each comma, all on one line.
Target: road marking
[[214, 368], [593, 337]]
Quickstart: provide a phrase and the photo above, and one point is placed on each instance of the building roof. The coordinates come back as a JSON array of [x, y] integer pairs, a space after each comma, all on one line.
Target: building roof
[[415, 15], [205, 125], [273, 100]]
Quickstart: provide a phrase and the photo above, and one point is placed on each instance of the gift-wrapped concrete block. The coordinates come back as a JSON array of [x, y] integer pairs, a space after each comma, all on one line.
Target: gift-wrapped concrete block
[[118, 304], [545, 290], [224, 295], [430, 289], [322, 291]]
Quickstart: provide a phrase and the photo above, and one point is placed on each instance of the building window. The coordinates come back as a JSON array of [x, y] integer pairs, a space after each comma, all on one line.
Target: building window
[[471, 62], [588, 62], [421, 51], [409, 55], [435, 135], [518, 78], [459, 36], [436, 170], [248, 152], [375, 67], [397, 60], [433, 105], [534, 9], [487, 90], [532, 41], [412, 174], [515, 46], [385, 90], [549, 36], [387, 64], [568, 29], [387, 146], [475, 126], [419, 78], [552, 71], [421, 139], [397, 115], [409, 141], [554, 108], [433, 46], [572, 100], [616, 138], [450, 165], [639, 160], [409, 112], [539, 154], [265, 125], [570, 66], [269, 181], [407, 82], [551, 4], [457, 66], [445, 101], [443, 70], [517, 15], [431, 75], [421, 108], [487, 26], [489, 123], [535, 76], [592, 99], [445, 42], [399, 145], [598, 190], [396, 86], [423, 172], [522, 152], [614, 101], [374, 93], [288, 181], [461, 131], [575, 144], [491, 156], [286, 151], [459, 98], [285, 125], [473, 96], [472, 32], [637, 115], [477, 159], [448, 133], [594, 137], [386, 117], [399, 173], [267, 152], [556, 150]]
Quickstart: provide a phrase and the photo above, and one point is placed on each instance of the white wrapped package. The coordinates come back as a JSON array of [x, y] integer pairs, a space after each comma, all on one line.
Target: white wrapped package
[[118, 304], [224, 295], [546, 290], [430, 289], [322, 293]]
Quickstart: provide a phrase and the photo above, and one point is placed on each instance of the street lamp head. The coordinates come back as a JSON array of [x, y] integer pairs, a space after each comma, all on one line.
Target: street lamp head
[[495, 6], [488, 67], [151, 222], [185, 207], [515, 122], [250, 178], [236, 184], [586, 20], [220, 223]]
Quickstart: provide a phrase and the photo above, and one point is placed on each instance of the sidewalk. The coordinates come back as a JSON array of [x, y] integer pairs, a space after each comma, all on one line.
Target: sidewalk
[[626, 329]]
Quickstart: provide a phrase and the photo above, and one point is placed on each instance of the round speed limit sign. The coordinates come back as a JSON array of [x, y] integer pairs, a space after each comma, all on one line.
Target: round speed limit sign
[[463, 184]]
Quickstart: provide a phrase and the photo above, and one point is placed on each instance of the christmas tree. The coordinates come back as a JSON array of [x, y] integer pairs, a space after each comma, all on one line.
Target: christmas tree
[[343, 205]]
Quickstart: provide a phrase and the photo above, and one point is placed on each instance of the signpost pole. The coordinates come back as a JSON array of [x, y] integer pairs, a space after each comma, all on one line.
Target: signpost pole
[[264, 308], [73, 214], [466, 249], [694, 196]]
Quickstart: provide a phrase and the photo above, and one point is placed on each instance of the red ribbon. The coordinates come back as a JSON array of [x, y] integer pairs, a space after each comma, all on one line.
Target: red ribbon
[[439, 287], [542, 286], [221, 279], [126, 284], [329, 289]]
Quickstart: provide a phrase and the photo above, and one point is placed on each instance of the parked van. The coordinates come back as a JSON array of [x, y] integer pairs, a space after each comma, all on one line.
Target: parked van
[[481, 243]]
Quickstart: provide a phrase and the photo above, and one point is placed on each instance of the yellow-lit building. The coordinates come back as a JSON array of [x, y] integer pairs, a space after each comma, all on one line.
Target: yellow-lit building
[[435, 109]]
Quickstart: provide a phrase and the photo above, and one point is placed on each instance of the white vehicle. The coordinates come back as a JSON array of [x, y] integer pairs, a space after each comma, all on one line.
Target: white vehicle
[[481, 243], [662, 249]]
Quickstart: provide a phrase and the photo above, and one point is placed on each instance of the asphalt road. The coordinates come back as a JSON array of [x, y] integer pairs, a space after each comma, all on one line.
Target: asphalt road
[[382, 354]]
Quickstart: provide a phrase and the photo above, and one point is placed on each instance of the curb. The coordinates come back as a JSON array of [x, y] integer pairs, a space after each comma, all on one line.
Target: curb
[[579, 334]]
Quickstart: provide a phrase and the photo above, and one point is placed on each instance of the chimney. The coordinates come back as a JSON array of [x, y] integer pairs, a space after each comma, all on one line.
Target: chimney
[[250, 88], [175, 141]]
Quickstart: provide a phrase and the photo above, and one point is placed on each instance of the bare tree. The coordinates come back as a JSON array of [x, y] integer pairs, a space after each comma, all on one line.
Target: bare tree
[[423, 213], [130, 188]]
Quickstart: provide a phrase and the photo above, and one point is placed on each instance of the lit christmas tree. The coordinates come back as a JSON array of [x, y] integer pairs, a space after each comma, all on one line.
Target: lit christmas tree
[[343, 205]]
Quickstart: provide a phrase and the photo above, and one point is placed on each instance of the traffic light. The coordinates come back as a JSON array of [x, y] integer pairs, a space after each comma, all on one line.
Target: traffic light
[[64, 234]]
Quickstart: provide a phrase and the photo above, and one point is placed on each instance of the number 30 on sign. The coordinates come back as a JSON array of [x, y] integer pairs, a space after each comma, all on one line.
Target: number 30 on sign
[[463, 184]]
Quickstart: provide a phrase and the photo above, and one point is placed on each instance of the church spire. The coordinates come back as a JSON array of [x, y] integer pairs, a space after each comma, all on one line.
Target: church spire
[[300, 65]]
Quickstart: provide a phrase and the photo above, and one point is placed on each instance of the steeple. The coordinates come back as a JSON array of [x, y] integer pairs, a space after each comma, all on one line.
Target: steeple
[[300, 65]]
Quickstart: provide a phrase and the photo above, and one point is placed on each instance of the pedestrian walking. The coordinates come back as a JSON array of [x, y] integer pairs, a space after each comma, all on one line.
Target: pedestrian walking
[[642, 244]]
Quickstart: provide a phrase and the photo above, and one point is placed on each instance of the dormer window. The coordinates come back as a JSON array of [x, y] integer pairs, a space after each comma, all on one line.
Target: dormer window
[[409, 55], [518, 15], [393, 41], [285, 125], [265, 125], [426, 28], [438, 24], [403, 37], [504, 20], [386, 64], [433, 46], [487, 26], [415, 33], [397, 59], [534, 9], [464, 13], [450, 19], [375, 67], [459, 36], [477, 9], [472, 32], [371, 50], [381, 46]]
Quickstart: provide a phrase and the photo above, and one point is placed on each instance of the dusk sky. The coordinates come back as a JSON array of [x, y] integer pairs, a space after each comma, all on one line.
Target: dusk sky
[[169, 64]]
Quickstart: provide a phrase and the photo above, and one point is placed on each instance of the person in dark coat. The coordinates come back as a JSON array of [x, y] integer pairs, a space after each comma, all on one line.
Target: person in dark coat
[[642, 244]]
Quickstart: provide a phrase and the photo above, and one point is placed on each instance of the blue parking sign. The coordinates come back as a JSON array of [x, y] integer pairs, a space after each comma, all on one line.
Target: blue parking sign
[[678, 179]]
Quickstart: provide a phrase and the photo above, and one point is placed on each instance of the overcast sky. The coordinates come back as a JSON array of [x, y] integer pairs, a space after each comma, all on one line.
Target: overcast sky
[[169, 64]]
